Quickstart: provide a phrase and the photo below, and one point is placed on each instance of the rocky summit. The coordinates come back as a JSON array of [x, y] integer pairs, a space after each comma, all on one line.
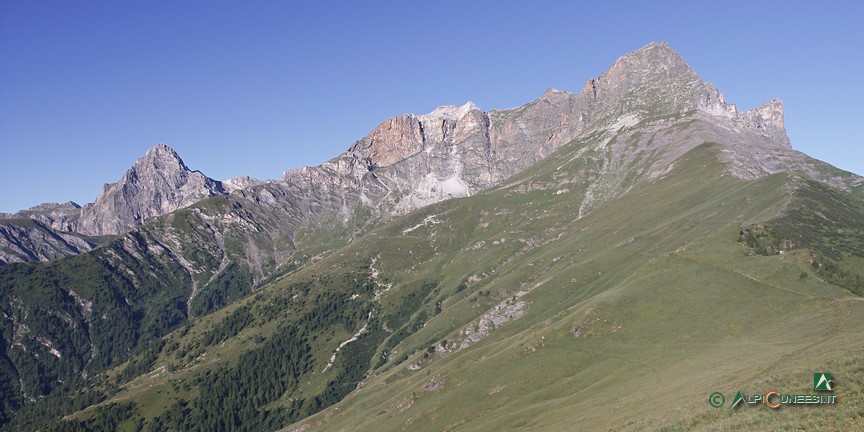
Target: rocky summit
[[157, 184], [553, 264]]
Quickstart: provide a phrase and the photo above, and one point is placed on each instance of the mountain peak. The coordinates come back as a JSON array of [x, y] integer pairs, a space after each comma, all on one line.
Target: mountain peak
[[157, 184], [655, 53], [653, 80], [768, 118], [552, 92], [663, 45], [161, 157]]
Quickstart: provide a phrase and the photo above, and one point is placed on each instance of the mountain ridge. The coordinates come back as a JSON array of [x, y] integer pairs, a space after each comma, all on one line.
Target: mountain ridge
[[492, 155], [410, 160]]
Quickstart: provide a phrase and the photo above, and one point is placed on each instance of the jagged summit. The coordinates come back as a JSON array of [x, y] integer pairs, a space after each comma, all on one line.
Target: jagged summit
[[158, 183]]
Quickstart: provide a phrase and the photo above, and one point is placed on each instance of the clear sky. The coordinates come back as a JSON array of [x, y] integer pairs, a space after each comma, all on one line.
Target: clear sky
[[262, 86]]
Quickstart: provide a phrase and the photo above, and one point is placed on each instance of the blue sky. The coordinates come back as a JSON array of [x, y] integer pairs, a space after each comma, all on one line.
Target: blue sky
[[259, 87]]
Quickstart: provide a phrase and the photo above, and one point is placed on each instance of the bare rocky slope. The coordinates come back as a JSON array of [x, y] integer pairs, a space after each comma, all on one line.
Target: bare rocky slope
[[27, 239]]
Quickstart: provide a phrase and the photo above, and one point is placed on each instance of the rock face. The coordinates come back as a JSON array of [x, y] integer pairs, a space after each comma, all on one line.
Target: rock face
[[157, 184]]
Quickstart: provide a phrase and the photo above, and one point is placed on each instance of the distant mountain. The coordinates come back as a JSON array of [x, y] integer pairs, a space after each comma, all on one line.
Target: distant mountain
[[600, 238], [156, 184], [459, 150]]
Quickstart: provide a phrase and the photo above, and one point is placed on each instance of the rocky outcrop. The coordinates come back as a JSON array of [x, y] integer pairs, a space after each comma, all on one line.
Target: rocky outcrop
[[768, 118], [239, 182], [451, 152]]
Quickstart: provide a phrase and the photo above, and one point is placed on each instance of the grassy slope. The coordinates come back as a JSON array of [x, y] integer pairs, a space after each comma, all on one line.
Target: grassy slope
[[670, 309]]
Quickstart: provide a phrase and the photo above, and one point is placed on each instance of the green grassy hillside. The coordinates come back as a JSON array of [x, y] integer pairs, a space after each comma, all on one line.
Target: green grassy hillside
[[64, 323], [508, 311], [644, 308]]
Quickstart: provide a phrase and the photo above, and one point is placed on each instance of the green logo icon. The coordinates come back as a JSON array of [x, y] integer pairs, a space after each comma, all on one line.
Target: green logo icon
[[738, 398], [716, 399], [822, 381]]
